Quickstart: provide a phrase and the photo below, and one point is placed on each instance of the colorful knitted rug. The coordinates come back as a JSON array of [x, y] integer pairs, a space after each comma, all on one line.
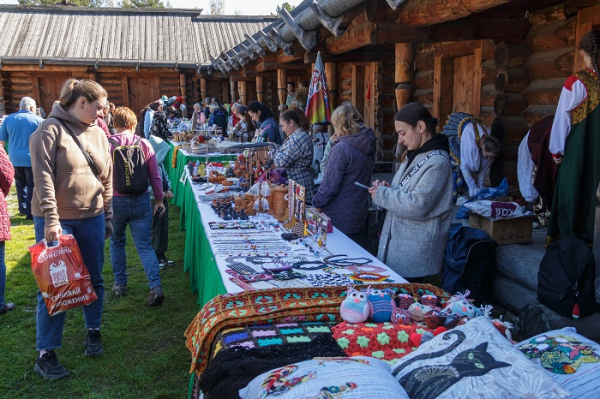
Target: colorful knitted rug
[[281, 305]]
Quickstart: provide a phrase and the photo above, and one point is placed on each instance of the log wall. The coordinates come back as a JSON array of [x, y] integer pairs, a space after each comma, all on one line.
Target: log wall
[[385, 106]]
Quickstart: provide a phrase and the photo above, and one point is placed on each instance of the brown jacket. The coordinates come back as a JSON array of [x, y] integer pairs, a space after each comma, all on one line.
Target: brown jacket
[[65, 186]]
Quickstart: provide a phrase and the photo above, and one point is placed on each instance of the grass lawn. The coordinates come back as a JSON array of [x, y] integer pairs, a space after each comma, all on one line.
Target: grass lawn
[[145, 354]]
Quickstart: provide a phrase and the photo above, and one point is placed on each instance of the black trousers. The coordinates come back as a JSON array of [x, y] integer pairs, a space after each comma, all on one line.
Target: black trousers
[[159, 234], [24, 184]]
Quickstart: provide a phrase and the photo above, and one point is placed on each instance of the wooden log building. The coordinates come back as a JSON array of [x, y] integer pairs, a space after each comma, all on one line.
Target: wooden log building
[[137, 55], [502, 60]]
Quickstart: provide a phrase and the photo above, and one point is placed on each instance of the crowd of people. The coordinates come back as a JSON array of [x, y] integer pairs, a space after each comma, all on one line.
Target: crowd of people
[[69, 162]]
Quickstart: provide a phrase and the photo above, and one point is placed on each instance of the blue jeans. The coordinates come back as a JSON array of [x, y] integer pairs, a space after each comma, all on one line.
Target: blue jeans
[[2, 273], [136, 211], [89, 234], [24, 184]]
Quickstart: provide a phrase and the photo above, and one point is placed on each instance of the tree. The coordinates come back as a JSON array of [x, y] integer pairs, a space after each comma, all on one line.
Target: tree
[[79, 3], [285, 6], [217, 7], [142, 4]]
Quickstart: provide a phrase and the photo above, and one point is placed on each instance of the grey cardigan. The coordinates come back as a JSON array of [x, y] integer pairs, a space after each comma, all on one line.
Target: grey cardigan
[[418, 217]]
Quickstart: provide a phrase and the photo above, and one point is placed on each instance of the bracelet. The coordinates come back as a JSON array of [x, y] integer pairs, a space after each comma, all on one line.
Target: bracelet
[[366, 269], [306, 265], [346, 261], [368, 277]]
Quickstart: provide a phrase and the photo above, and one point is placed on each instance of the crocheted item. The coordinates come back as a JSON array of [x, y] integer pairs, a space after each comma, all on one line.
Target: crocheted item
[[355, 308], [559, 354], [381, 305], [274, 306], [385, 341], [231, 370], [271, 334]]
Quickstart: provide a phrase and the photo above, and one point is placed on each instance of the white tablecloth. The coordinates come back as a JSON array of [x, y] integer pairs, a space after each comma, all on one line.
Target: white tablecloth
[[337, 244]]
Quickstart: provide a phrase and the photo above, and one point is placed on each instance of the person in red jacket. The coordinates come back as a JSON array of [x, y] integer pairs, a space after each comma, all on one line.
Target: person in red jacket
[[7, 173]]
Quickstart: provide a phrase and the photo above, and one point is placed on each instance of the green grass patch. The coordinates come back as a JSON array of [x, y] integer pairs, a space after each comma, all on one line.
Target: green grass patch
[[145, 354]]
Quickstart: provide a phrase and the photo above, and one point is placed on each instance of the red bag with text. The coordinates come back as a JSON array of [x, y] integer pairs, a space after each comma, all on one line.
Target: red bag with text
[[61, 275]]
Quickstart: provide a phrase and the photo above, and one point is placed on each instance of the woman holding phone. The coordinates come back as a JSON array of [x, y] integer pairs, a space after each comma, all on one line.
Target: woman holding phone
[[419, 200]]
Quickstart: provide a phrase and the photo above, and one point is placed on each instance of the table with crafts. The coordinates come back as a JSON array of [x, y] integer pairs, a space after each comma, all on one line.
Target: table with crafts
[[223, 258]]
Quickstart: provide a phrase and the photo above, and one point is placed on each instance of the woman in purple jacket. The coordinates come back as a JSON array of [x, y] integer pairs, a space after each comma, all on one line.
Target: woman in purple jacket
[[351, 160]]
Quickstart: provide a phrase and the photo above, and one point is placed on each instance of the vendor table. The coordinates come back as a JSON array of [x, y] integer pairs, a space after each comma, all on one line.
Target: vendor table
[[207, 266]]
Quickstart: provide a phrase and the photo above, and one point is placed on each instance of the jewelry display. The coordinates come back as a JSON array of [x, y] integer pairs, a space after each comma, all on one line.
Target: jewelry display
[[344, 261], [365, 269], [366, 277], [309, 265]]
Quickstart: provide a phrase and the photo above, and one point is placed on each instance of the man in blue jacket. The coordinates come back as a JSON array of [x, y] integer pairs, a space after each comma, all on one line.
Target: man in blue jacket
[[16, 129]]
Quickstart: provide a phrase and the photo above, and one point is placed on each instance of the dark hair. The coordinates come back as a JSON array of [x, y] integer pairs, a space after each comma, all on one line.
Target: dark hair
[[291, 83], [414, 112], [265, 113], [154, 105], [295, 114], [250, 127], [590, 43], [491, 144]]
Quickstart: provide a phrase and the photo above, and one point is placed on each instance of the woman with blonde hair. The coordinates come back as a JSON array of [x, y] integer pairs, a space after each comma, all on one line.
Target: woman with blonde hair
[[351, 160], [72, 174]]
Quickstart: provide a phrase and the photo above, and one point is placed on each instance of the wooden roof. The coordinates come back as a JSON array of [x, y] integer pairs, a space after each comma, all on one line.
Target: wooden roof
[[117, 36]]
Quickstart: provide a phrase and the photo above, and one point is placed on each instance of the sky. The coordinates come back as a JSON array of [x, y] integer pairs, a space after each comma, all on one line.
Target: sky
[[245, 7]]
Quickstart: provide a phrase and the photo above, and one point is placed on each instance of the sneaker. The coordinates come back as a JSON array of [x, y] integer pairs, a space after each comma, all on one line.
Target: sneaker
[[156, 296], [49, 368], [93, 343], [7, 307], [119, 289], [162, 263]]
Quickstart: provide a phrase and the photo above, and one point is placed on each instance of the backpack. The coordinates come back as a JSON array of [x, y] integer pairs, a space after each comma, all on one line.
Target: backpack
[[566, 278], [469, 263], [130, 173]]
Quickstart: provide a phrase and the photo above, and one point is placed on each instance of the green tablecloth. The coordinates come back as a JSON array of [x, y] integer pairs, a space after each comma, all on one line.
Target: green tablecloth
[[198, 259]]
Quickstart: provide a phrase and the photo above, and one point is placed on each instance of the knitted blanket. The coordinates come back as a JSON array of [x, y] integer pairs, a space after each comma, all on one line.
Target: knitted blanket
[[272, 306]]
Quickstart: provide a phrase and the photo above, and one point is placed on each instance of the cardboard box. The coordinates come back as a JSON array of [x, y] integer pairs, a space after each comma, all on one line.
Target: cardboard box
[[505, 231]]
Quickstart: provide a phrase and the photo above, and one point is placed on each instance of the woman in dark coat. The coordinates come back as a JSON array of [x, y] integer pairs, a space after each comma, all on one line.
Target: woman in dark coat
[[351, 160]]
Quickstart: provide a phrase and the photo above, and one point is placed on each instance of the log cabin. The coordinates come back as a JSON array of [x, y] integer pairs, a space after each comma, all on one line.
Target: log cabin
[[137, 55]]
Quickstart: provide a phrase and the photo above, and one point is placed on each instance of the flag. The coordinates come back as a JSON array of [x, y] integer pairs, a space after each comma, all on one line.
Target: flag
[[318, 108]]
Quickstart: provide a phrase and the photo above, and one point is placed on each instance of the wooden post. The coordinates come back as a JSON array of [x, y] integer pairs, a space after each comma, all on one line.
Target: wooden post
[[260, 93], [232, 90], [243, 91], [182, 86], [225, 86], [282, 88], [331, 75], [125, 90], [202, 89], [404, 73]]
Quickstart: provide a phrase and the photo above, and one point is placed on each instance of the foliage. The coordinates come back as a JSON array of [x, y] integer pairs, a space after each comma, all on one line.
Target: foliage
[[217, 7], [145, 354], [285, 6], [142, 4], [79, 3]]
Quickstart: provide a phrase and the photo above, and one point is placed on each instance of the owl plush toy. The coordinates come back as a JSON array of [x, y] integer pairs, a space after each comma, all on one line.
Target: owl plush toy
[[381, 305], [355, 308]]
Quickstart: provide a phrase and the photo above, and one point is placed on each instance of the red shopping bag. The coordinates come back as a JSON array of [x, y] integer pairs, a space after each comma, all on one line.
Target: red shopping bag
[[61, 275]]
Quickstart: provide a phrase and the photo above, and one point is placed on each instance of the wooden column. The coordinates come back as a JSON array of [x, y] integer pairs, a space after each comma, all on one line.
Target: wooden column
[[260, 91], [282, 88], [182, 85], [243, 91], [225, 86], [404, 73], [125, 90], [232, 90], [331, 75], [202, 89]]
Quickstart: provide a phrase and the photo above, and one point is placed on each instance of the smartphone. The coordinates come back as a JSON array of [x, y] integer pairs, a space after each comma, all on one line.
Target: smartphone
[[361, 185]]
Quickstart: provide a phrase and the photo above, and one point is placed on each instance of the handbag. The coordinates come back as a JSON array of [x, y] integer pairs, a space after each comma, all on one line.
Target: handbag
[[85, 153]]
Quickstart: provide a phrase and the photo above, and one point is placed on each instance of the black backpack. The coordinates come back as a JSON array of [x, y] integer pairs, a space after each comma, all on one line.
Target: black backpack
[[130, 172], [469, 263], [566, 277]]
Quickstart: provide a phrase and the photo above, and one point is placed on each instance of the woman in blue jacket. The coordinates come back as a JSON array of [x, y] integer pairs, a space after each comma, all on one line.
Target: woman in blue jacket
[[267, 126]]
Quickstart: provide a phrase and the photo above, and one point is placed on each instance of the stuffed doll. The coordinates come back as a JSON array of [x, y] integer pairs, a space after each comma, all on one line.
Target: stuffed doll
[[381, 305], [355, 308], [461, 306]]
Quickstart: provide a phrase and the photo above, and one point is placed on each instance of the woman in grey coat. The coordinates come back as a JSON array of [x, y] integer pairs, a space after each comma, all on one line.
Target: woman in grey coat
[[419, 200]]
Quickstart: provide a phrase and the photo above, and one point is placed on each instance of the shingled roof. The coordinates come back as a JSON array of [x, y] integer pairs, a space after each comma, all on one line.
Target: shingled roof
[[119, 36]]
